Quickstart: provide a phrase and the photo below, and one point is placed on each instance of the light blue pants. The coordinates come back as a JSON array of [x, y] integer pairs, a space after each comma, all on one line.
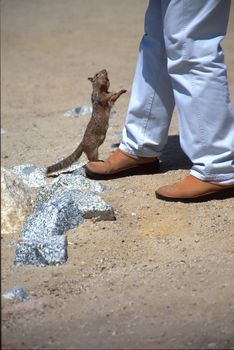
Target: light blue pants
[[181, 63]]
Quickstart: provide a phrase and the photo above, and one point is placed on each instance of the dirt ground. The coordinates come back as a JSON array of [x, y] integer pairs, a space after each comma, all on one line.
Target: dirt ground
[[161, 275]]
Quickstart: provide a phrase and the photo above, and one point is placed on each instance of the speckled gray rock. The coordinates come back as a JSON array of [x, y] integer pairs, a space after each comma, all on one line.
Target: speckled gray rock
[[74, 175], [60, 204], [76, 168], [62, 212], [53, 218], [83, 110], [67, 182], [78, 111], [16, 293], [50, 251], [30, 175], [78, 180], [92, 206]]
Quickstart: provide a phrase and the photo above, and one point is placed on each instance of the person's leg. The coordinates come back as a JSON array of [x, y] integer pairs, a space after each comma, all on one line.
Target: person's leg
[[193, 31], [152, 102], [150, 107]]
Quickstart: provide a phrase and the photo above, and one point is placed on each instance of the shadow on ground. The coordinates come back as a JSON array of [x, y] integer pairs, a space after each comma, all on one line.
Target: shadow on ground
[[173, 158]]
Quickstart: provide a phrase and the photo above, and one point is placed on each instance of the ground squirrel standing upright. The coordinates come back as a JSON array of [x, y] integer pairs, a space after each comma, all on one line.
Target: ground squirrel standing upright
[[95, 133]]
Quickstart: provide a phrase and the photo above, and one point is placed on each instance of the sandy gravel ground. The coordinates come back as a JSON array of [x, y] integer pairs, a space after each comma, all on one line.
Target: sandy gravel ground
[[161, 275]]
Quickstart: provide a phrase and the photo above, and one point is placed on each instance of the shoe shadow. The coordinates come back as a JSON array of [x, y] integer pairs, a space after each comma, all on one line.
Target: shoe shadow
[[173, 157]]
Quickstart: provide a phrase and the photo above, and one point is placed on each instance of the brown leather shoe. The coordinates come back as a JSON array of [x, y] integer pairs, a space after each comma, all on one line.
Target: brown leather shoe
[[120, 164], [191, 189]]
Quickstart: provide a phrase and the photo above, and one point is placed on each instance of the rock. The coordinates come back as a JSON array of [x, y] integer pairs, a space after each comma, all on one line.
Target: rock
[[15, 293], [51, 210], [3, 131], [16, 201], [72, 178], [77, 181], [78, 111], [53, 218], [83, 110], [64, 182], [64, 211], [44, 252], [92, 206], [76, 168], [30, 175]]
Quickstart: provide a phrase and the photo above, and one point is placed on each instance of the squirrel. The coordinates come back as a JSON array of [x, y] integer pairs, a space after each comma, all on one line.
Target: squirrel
[[95, 133]]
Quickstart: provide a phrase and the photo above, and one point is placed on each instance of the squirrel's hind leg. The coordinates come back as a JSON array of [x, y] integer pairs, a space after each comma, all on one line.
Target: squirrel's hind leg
[[92, 155]]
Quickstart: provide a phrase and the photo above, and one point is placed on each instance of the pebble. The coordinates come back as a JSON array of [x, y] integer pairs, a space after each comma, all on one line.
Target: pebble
[[15, 293], [78, 111], [82, 110]]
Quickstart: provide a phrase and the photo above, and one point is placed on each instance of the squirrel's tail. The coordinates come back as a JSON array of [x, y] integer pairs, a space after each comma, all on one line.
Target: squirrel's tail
[[66, 162]]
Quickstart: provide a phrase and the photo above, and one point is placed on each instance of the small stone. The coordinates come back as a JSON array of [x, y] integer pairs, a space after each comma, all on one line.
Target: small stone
[[15, 293], [83, 110], [78, 111]]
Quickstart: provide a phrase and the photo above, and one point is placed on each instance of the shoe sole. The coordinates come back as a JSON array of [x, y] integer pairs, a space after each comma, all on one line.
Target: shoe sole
[[144, 169], [221, 194]]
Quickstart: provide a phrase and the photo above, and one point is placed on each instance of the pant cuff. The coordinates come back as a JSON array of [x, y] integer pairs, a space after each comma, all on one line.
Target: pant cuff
[[219, 179], [138, 153]]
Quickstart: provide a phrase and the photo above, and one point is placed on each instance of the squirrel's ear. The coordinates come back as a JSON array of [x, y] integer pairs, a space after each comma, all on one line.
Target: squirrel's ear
[[91, 79]]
